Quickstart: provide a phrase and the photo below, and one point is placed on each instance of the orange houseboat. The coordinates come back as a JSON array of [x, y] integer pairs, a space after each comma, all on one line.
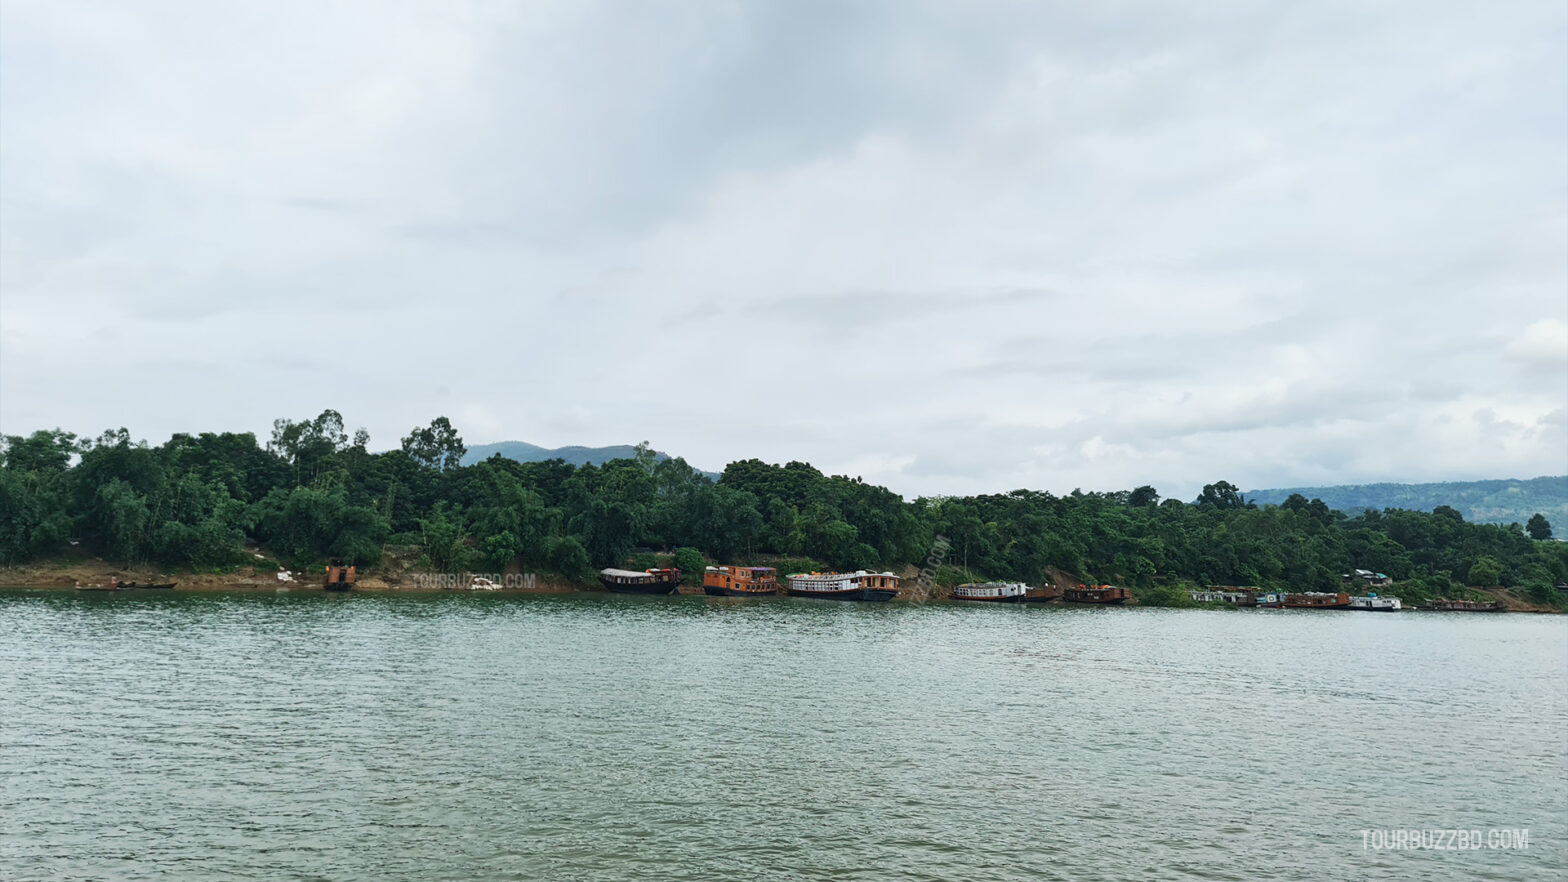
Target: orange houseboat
[[1097, 594], [338, 578], [859, 585], [665, 581], [740, 581], [1317, 600]]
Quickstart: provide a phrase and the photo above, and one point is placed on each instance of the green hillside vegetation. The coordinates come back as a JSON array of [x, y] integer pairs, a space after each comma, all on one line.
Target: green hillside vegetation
[[1491, 502], [313, 492]]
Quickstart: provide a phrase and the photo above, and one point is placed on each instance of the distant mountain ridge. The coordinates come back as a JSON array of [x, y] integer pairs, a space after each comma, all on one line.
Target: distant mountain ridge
[[575, 455], [1505, 501]]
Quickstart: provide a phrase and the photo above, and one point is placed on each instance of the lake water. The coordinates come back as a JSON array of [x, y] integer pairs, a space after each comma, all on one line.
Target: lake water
[[593, 737]]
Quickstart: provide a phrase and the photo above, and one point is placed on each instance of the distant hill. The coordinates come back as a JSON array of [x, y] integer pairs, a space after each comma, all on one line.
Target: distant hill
[[1494, 502], [575, 455]]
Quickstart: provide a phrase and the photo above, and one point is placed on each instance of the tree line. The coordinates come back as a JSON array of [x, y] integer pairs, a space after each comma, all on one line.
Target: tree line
[[313, 491]]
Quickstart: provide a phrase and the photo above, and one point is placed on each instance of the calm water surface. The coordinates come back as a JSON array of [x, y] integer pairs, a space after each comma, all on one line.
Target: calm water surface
[[302, 736]]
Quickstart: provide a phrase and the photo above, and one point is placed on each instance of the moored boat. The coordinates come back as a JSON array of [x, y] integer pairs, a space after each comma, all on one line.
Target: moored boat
[[731, 581], [1373, 603], [859, 585], [1317, 600], [1043, 594], [1096, 594], [338, 578], [652, 581], [1463, 606], [991, 592]]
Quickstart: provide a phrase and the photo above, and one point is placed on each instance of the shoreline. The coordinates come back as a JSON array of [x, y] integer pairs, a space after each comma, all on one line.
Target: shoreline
[[546, 589], [67, 575]]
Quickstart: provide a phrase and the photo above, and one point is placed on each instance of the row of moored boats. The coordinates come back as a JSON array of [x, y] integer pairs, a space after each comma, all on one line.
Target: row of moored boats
[[747, 581], [1338, 600]]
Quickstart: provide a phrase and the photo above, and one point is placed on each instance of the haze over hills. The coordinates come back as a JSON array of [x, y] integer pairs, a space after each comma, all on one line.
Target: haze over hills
[[574, 454], [1504, 501]]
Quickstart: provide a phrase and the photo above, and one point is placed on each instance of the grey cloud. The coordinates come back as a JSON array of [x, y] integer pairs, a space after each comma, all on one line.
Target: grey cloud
[[1027, 245]]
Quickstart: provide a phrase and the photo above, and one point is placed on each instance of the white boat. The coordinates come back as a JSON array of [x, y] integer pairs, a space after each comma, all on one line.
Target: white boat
[[1373, 603], [859, 585], [991, 592]]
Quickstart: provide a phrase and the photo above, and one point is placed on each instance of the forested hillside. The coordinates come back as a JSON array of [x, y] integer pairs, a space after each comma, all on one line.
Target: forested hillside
[[313, 492], [1492, 502]]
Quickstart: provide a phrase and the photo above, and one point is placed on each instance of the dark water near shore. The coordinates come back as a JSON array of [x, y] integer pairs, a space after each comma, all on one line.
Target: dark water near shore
[[304, 736]]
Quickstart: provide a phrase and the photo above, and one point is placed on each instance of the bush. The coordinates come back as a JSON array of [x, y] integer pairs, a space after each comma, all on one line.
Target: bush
[[691, 563], [1486, 571], [567, 557], [1164, 596]]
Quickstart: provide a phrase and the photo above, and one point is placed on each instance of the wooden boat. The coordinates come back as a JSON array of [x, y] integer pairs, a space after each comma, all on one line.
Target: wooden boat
[[1043, 594], [1317, 600], [661, 581], [1464, 606], [731, 581], [338, 578], [859, 585], [991, 592], [150, 586], [1096, 594], [1373, 603]]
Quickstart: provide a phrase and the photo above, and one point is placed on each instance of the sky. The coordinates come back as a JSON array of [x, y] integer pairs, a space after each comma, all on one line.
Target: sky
[[950, 248]]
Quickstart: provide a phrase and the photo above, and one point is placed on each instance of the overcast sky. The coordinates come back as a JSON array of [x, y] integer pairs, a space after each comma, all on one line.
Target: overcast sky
[[949, 247]]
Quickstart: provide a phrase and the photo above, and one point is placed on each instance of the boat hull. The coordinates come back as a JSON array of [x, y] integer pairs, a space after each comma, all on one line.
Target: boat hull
[[1463, 609], [648, 588], [864, 595], [713, 591], [1015, 598], [1317, 606]]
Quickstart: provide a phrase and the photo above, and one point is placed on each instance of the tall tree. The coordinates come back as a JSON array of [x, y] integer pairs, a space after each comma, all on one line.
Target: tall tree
[[1538, 527], [436, 446]]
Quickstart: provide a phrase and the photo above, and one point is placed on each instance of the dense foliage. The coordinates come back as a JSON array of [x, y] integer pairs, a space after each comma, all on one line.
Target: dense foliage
[[1489, 502], [313, 492]]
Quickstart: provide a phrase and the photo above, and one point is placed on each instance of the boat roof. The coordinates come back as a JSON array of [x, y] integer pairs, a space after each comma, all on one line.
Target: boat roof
[[623, 573]]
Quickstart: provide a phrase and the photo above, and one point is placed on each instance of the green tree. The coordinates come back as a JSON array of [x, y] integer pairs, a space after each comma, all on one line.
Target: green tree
[[441, 539], [1143, 497], [437, 446], [1221, 495], [43, 451], [1538, 527], [1486, 571]]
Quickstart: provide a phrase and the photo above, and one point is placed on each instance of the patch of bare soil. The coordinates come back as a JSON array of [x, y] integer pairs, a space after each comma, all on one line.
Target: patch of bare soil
[[1513, 602]]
